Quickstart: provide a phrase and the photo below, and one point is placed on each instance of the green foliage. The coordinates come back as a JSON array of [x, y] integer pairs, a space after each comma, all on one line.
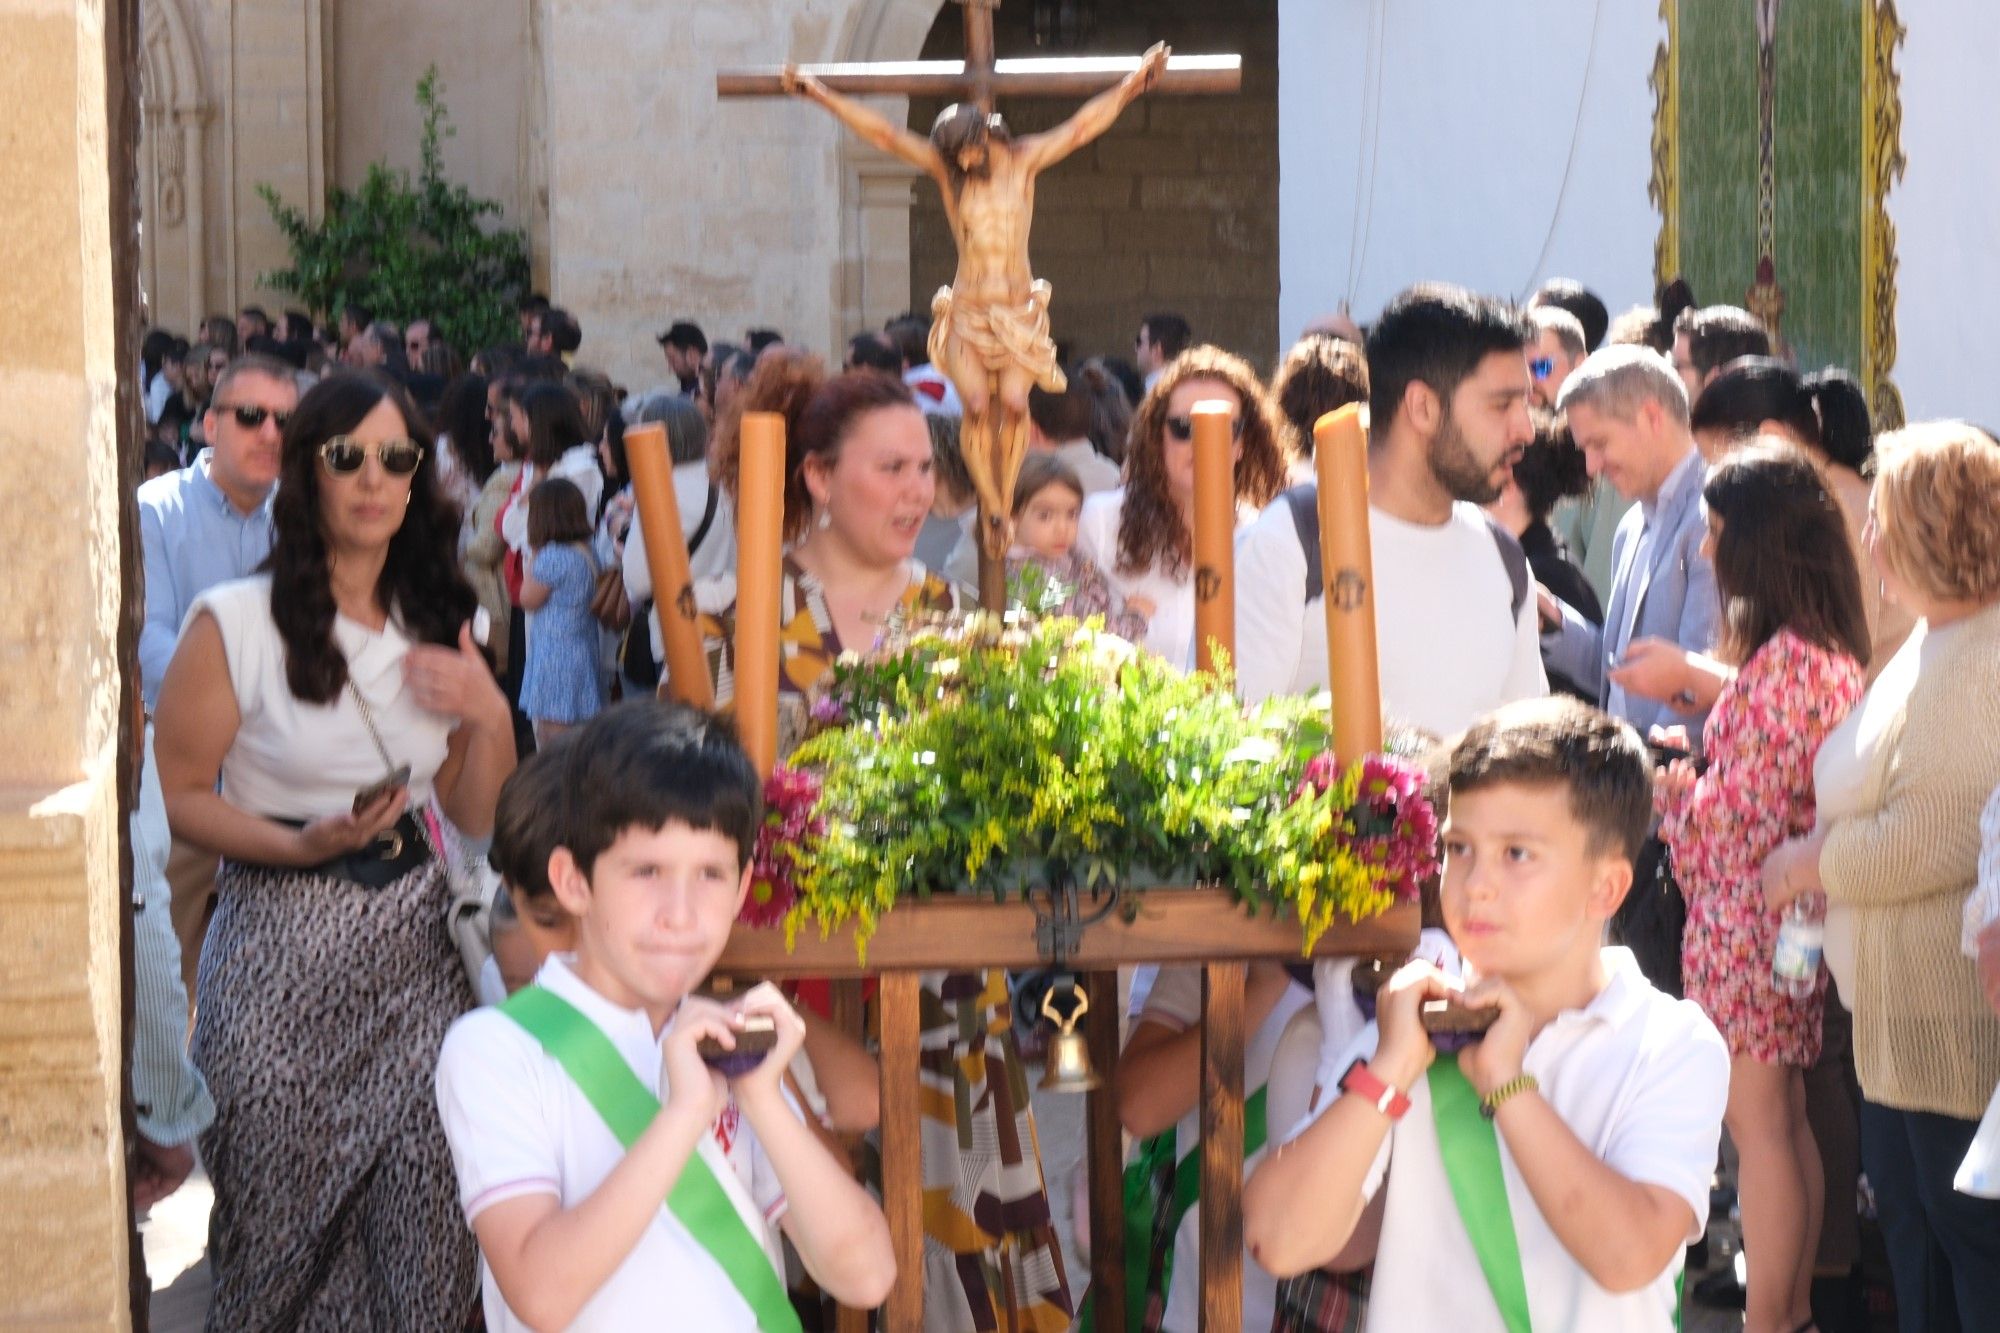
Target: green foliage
[[407, 249], [984, 756]]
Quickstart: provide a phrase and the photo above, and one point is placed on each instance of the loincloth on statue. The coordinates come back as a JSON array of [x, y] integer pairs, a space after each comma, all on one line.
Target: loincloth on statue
[[1001, 336]]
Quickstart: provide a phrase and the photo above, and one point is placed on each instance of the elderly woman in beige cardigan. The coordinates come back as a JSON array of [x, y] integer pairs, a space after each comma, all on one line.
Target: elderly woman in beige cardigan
[[1900, 787]]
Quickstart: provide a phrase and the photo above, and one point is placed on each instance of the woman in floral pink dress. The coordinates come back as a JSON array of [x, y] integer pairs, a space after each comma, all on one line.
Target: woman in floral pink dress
[[1794, 626]]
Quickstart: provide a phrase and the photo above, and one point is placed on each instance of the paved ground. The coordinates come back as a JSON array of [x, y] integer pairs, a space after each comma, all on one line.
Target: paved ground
[[176, 1231]]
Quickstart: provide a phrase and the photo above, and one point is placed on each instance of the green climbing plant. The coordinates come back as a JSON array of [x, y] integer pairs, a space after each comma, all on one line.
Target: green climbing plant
[[408, 249]]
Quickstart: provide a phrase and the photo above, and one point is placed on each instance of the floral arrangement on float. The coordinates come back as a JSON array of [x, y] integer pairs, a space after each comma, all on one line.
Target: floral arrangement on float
[[995, 756]]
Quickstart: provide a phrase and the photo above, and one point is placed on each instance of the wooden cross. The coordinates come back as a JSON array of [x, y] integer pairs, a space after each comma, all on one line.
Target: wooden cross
[[980, 78]]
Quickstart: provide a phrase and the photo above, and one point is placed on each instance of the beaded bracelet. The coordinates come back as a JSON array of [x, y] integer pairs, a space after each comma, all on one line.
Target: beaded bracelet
[[1489, 1105]]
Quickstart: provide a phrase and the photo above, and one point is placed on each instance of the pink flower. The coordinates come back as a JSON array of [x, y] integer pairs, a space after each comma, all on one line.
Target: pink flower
[[1391, 827], [791, 824]]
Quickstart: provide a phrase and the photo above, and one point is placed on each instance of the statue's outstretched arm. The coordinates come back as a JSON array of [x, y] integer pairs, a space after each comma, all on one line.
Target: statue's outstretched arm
[[869, 125], [1095, 116]]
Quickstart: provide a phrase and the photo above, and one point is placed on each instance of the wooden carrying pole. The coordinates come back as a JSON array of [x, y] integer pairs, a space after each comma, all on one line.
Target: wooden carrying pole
[[760, 536], [667, 557], [1222, 983], [1347, 562], [1214, 534]]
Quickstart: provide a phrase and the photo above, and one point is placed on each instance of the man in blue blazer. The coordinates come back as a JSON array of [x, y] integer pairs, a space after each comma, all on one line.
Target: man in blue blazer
[[1628, 412]]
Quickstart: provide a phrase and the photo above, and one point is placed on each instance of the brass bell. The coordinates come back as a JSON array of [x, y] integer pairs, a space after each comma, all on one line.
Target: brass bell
[[1068, 1067]]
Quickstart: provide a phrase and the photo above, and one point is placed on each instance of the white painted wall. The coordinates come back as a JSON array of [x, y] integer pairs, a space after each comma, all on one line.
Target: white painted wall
[[1948, 361], [1470, 140]]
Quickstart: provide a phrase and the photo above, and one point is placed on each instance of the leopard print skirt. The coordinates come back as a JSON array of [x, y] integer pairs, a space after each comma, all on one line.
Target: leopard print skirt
[[321, 1007]]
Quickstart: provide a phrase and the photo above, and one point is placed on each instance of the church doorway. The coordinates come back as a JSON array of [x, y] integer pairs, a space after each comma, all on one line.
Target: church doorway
[[1175, 209]]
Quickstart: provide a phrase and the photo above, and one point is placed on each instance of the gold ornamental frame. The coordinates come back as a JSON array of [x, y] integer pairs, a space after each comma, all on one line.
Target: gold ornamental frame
[[1881, 167]]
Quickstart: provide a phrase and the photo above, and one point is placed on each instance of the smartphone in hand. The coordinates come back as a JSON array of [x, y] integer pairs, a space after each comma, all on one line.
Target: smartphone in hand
[[375, 791]]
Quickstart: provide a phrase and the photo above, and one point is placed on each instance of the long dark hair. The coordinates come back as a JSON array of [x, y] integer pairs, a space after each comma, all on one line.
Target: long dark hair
[[421, 584], [462, 416], [1783, 560], [1752, 390], [1846, 425], [555, 422]]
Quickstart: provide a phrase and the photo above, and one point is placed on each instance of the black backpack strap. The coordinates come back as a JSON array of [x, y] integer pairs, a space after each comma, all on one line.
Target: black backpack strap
[[1516, 560], [1304, 504], [707, 519]]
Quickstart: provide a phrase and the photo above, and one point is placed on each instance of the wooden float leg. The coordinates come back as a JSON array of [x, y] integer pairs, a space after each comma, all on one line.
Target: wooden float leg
[[902, 1149], [847, 1016], [1104, 1153], [1222, 1040]]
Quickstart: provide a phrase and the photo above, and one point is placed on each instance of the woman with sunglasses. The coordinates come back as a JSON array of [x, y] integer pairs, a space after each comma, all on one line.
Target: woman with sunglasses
[[1142, 534], [339, 697]]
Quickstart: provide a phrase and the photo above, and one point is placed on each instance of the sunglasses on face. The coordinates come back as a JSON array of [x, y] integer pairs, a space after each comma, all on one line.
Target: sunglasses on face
[[343, 455], [250, 417], [1542, 367], [1181, 429]]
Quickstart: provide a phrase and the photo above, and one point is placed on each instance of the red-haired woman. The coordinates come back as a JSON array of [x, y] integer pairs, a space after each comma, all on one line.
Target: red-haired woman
[[858, 487]]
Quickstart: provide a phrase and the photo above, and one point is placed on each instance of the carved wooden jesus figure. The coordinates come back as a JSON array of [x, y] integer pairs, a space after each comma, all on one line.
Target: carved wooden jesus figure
[[990, 327]]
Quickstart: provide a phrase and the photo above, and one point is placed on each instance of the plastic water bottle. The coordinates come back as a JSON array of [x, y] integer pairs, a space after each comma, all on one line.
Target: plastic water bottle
[[1801, 939]]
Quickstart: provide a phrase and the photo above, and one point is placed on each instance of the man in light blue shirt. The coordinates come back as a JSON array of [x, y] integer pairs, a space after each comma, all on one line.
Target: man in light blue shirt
[[204, 525], [173, 1103]]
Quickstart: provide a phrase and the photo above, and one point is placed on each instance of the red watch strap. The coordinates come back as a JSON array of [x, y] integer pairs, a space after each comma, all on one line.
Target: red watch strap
[[1361, 1081]]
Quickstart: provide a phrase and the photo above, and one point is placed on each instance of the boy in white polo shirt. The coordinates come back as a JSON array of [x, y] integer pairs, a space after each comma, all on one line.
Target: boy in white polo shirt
[[599, 1206], [1551, 1174]]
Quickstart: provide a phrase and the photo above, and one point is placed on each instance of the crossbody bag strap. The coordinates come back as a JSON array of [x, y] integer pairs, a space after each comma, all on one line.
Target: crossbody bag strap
[[368, 720], [1470, 1147], [707, 518], [627, 1107]]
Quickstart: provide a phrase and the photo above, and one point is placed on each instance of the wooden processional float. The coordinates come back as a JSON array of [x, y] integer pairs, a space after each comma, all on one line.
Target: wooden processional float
[[1205, 926]]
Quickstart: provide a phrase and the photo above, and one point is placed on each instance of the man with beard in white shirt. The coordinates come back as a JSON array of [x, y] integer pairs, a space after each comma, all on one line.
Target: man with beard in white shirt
[[1456, 630]]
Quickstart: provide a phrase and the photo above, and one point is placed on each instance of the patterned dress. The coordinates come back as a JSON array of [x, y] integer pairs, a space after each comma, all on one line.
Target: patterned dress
[[991, 1256], [320, 1011], [563, 682], [1760, 741], [1075, 586]]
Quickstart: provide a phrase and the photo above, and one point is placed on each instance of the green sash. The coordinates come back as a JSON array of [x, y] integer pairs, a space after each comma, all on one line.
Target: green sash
[[1470, 1148], [1152, 1179], [627, 1106]]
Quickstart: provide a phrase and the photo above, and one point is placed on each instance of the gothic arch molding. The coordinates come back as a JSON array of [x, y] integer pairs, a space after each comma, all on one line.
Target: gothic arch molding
[[174, 114]]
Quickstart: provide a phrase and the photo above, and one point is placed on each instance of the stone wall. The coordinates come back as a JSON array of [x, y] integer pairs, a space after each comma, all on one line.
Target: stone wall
[[64, 1227], [300, 94], [666, 203], [1175, 209]]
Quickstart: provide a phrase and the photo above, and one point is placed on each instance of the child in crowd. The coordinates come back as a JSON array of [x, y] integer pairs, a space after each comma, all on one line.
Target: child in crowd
[[563, 684], [1794, 626], [529, 923], [1580, 1129], [1048, 496], [1159, 1092], [564, 1155], [161, 458]]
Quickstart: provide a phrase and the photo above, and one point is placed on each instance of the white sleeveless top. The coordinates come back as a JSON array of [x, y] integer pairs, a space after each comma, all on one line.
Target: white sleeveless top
[[298, 760]]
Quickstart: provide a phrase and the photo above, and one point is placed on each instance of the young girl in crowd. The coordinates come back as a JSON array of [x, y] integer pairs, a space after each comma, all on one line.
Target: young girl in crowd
[[1793, 624], [1048, 496], [563, 685]]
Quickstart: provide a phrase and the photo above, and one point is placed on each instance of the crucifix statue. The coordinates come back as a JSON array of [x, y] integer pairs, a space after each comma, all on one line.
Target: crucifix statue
[[990, 327]]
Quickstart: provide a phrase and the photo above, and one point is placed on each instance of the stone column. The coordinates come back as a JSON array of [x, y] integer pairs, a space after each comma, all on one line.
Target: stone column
[[64, 1227]]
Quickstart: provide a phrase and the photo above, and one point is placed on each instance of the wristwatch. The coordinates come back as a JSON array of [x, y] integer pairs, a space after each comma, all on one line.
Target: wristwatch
[[1361, 1081]]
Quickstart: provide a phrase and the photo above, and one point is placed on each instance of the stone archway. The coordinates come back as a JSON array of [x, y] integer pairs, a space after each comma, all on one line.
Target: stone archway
[[173, 180]]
